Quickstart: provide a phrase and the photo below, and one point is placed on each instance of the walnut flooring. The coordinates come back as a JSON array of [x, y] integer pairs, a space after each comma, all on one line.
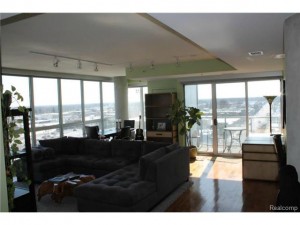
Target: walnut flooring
[[218, 187]]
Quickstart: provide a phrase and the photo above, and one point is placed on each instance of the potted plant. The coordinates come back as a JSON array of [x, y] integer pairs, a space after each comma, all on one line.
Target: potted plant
[[185, 118], [11, 138]]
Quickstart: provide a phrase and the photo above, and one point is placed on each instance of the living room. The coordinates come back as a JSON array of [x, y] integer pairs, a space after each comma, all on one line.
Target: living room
[[78, 79]]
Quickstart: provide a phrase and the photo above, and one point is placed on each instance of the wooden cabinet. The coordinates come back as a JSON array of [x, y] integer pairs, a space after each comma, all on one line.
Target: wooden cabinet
[[24, 198], [158, 125], [260, 161]]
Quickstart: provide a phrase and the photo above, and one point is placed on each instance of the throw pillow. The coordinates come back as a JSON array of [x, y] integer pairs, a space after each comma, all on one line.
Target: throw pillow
[[70, 145], [55, 143]]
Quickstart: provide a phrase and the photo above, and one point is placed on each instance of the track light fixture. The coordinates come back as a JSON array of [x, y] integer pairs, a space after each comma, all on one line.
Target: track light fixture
[[79, 66], [152, 65], [96, 67], [177, 61], [56, 61], [130, 67]]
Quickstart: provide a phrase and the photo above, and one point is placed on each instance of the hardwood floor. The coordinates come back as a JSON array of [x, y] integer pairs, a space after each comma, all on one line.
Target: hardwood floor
[[218, 187]]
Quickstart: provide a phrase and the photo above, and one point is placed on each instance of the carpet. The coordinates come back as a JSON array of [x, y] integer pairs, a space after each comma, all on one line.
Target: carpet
[[68, 204]]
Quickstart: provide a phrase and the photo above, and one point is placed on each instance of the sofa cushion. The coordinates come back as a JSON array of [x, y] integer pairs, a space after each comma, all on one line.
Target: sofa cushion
[[111, 163], [71, 145], [55, 143], [122, 188], [146, 163], [150, 146], [128, 149], [96, 147], [80, 161]]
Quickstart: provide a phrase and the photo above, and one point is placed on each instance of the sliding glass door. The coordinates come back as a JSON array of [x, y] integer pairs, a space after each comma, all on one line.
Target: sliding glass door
[[232, 111], [231, 116], [200, 96]]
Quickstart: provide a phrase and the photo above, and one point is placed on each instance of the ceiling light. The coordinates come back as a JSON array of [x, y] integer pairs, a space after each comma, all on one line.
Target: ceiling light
[[256, 53], [96, 67], [177, 61], [79, 66], [130, 67], [152, 65], [55, 62]]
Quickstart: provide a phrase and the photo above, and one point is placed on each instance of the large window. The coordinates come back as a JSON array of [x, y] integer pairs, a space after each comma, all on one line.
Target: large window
[[52, 119], [109, 121], [71, 108], [46, 108], [232, 111], [258, 108], [45, 102], [92, 101], [22, 86]]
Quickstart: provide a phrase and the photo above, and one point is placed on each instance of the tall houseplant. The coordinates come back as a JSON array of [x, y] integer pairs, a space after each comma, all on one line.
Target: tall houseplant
[[185, 118], [11, 137]]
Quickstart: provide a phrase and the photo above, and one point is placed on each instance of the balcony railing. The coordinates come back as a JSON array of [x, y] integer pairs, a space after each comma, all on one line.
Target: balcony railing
[[202, 136]]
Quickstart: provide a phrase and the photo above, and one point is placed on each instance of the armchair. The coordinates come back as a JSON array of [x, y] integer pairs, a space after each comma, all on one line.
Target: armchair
[[92, 132]]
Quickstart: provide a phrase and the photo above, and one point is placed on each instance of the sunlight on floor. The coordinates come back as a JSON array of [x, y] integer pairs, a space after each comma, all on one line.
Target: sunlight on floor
[[225, 168]]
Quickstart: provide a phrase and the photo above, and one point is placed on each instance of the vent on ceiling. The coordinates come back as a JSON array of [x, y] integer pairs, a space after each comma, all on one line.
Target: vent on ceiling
[[256, 53]]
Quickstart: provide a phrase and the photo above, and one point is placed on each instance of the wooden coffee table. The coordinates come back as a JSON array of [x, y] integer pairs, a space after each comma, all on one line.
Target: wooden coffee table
[[62, 185]]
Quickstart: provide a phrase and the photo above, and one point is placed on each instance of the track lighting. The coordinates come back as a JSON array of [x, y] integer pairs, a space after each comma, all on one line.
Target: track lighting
[[96, 67], [130, 67], [177, 61], [152, 66], [79, 66], [55, 62]]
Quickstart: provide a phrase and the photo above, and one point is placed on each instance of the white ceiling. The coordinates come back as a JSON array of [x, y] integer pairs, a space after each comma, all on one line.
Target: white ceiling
[[121, 39]]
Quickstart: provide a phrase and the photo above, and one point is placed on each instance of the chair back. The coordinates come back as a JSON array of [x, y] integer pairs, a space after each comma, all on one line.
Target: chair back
[[125, 133], [92, 132], [279, 148]]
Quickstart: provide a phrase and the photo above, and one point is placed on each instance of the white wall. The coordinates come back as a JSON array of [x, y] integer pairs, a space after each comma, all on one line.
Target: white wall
[[121, 95], [292, 51]]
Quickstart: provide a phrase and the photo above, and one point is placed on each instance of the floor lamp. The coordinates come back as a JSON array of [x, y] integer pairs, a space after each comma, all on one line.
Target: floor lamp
[[270, 99]]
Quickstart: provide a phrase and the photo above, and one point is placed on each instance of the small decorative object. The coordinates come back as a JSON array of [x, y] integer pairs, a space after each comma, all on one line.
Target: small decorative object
[[161, 126], [270, 100]]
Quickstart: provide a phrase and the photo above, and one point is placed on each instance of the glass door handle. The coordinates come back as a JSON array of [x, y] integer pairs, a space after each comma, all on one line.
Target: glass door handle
[[215, 122]]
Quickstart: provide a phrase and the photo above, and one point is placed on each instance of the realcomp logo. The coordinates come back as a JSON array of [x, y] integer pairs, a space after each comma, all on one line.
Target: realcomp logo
[[283, 208]]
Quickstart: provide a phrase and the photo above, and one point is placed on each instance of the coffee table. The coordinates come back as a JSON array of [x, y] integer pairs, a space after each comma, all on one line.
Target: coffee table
[[62, 185]]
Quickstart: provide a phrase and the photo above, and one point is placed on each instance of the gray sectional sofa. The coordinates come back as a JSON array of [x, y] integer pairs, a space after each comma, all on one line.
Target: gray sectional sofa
[[130, 175]]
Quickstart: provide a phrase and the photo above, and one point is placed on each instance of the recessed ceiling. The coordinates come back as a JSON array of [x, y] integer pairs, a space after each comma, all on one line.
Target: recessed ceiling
[[122, 39]]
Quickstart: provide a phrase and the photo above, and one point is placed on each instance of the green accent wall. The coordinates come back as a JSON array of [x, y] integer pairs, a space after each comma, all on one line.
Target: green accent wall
[[190, 67]]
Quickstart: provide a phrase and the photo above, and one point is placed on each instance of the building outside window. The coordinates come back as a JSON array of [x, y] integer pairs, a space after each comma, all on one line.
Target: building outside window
[[46, 111], [92, 103], [109, 112], [71, 108]]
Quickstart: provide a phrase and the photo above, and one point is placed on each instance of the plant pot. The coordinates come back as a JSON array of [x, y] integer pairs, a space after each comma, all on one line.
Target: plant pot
[[193, 152]]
